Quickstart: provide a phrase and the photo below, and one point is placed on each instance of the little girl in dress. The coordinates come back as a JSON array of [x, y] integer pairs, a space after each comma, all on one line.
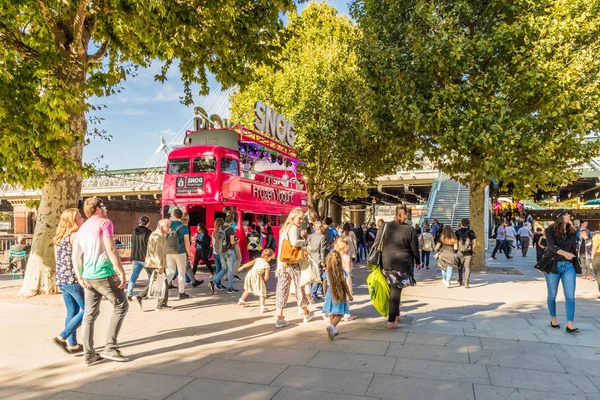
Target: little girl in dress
[[341, 246], [338, 293], [256, 278]]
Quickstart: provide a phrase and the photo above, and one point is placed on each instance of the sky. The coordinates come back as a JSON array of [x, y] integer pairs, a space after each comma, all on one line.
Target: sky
[[145, 110]]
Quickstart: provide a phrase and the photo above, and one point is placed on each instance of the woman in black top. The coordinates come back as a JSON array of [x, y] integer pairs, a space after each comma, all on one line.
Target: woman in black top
[[562, 240], [202, 249], [400, 254]]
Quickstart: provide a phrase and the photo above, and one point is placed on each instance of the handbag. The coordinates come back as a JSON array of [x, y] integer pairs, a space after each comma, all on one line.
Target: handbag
[[374, 259], [309, 272], [547, 261], [290, 254], [398, 279]]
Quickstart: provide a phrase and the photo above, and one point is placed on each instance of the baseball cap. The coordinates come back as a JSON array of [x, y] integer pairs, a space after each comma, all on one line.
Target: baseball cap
[[559, 213]]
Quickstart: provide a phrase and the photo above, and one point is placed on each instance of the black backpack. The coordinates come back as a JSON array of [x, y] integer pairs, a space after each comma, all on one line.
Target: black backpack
[[465, 245]]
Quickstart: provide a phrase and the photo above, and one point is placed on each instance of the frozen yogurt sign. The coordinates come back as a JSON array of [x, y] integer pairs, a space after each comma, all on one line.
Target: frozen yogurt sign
[[267, 193], [273, 124]]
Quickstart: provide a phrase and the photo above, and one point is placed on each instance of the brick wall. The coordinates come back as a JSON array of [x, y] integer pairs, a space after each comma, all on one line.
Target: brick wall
[[126, 221]]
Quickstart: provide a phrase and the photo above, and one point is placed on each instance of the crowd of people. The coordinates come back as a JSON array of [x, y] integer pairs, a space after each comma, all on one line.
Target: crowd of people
[[89, 267]]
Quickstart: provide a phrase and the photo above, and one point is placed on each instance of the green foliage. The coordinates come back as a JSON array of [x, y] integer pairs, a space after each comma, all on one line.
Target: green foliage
[[502, 89], [317, 84], [55, 54]]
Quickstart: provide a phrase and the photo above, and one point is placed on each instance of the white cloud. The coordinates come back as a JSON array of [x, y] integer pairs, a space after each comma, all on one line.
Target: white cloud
[[133, 112], [167, 132]]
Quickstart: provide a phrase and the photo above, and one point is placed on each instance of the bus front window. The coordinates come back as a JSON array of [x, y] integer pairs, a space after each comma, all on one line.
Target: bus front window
[[179, 166], [204, 164]]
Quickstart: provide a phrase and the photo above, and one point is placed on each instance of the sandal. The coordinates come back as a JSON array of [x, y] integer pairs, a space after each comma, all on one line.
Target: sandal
[[241, 302], [394, 325], [557, 326]]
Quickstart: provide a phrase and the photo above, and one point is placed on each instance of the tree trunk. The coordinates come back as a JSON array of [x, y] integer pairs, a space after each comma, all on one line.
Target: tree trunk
[[477, 206], [313, 207], [60, 192]]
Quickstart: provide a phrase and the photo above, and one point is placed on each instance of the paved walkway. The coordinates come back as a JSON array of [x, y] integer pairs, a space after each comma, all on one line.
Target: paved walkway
[[490, 342]]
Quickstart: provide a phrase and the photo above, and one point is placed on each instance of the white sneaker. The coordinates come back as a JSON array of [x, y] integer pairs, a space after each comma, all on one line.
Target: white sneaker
[[280, 323], [309, 317], [263, 309], [300, 311], [241, 302]]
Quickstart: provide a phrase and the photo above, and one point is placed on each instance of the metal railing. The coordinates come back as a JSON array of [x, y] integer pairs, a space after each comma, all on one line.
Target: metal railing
[[6, 242], [435, 187], [455, 205]]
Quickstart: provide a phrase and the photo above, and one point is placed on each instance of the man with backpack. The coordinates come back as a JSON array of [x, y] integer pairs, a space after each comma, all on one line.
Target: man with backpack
[[426, 244], [178, 251], [224, 242], [467, 241]]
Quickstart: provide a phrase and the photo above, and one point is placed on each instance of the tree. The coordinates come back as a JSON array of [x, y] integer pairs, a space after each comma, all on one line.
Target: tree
[[502, 89], [55, 54], [316, 83]]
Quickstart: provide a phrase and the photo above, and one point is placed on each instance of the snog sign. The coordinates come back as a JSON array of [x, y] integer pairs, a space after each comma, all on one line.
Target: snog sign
[[273, 124]]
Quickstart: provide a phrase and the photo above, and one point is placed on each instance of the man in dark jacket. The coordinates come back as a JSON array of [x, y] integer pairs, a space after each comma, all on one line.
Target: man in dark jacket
[[139, 246], [317, 243]]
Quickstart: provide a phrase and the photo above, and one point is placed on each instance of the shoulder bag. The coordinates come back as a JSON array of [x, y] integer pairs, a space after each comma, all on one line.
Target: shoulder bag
[[374, 259], [290, 254]]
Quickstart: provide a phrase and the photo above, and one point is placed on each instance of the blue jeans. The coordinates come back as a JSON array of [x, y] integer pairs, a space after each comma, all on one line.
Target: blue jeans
[[138, 266], [362, 251], [73, 297], [447, 275], [566, 274], [227, 265], [425, 258]]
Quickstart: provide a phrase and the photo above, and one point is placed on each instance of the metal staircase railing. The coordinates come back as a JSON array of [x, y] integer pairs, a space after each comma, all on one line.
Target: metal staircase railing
[[435, 187]]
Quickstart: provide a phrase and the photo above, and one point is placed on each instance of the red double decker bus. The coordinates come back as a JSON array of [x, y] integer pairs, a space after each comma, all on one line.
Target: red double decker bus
[[233, 170]]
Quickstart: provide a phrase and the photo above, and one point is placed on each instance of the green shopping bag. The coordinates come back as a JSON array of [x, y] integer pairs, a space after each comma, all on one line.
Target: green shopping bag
[[379, 292]]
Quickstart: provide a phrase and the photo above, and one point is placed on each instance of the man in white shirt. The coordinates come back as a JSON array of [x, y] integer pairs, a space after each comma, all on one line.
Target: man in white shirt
[[526, 237], [501, 243], [511, 238]]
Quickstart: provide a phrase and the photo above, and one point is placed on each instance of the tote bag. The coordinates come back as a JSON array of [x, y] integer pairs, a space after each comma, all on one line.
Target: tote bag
[[157, 281], [309, 272], [374, 258]]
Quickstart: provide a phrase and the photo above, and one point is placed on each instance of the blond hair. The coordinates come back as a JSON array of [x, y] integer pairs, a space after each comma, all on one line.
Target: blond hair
[[290, 219], [341, 244], [66, 225], [163, 222]]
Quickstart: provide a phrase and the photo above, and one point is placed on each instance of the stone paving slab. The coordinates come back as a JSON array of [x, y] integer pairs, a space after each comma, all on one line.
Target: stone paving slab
[[138, 385], [240, 371], [449, 371], [210, 389], [395, 387], [516, 360], [427, 352], [540, 380], [325, 380], [299, 394], [354, 362]]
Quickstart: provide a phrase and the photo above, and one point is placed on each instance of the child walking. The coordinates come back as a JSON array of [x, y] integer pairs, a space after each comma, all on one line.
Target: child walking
[[338, 294], [341, 246], [256, 278]]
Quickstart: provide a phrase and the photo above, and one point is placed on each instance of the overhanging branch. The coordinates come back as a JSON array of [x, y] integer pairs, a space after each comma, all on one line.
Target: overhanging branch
[[49, 20], [14, 41], [97, 56]]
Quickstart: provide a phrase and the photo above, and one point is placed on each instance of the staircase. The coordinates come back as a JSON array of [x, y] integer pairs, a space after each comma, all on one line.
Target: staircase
[[451, 203]]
